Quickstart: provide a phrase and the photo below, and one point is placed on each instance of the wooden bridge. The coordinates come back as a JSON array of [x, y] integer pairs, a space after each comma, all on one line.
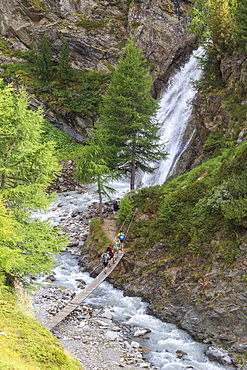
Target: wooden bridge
[[83, 294]]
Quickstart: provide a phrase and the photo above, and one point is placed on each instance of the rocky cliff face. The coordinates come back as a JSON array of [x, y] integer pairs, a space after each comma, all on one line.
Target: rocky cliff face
[[210, 113], [96, 32]]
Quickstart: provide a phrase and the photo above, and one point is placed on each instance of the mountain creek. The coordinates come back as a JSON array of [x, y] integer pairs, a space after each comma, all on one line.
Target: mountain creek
[[115, 328]]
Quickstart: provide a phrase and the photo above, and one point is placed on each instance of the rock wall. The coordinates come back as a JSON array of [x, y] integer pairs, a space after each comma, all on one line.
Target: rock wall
[[97, 31]]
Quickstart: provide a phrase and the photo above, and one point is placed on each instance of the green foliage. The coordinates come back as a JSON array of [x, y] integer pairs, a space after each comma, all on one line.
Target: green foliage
[[219, 198], [10, 259], [209, 200], [28, 345], [92, 163], [82, 91], [92, 24], [220, 26], [39, 4], [128, 110], [240, 24], [27, 167], [214, 143], [97, 238], [44, 60], [64, 64], [200, 15], [65, 146], [234, 104], [212, 22], [149, 199], [126, 210]]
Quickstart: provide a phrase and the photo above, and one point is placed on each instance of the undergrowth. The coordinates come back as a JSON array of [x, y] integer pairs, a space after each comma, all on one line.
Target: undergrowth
[[97, 240], [201, 213]]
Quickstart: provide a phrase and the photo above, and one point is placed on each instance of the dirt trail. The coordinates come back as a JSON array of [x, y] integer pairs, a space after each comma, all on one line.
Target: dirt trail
[[110, 229]]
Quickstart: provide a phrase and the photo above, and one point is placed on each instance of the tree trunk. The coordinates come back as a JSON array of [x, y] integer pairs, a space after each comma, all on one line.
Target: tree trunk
[[133, 167], [100, 200]]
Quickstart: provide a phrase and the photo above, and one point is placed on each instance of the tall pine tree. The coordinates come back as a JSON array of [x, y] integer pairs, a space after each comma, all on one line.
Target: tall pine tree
[[44, 61], [64, 64], [128, 110], [240, 24]]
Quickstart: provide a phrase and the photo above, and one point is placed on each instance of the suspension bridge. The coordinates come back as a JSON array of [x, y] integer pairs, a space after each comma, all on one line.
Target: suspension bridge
[[72, 305], [80, 297]]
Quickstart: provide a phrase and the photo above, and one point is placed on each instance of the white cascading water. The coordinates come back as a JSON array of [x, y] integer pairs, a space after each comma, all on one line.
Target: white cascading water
[[164, 340], [174, 113]]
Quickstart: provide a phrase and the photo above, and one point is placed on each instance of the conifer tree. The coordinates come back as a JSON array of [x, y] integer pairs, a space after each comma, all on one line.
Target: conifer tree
[[92, 165], [240, 24], [128, 110], [220, 25], [44, 61], [64, 65], [10, 259], [212, 22], [27, 167]]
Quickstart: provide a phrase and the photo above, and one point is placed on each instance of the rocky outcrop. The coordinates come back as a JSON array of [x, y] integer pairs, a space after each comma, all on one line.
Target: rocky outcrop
[[96, 32]]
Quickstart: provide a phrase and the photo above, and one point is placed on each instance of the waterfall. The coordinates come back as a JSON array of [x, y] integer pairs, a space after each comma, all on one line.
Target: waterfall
[[174, 113]]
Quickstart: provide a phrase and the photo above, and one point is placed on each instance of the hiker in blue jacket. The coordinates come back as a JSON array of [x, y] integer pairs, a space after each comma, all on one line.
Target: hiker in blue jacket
[[121, 238]]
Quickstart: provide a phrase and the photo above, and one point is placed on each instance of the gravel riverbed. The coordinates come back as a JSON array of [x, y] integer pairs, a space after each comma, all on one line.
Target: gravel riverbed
[[90, 334]]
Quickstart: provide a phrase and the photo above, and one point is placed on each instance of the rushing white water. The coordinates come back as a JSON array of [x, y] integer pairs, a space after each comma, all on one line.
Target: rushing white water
[[174, 113], [164, 339]]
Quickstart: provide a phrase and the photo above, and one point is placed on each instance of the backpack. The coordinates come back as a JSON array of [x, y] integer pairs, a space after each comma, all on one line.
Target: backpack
[[121, 237], [105, 257], [116, 246]]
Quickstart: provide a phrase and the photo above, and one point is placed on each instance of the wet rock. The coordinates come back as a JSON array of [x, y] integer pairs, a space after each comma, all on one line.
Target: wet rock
[[135, 344], [140, 332], [181, 354], [50, 278], [219, 355]]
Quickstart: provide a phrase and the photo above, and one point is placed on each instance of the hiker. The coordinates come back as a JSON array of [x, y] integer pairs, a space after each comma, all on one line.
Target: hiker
[[105, 260], [115, 247], [110, 251], [121, 237], [115, 206]]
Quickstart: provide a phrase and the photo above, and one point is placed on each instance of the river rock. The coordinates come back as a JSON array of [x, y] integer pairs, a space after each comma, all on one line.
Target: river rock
[[135, 344], [219, 355], [140, 332]]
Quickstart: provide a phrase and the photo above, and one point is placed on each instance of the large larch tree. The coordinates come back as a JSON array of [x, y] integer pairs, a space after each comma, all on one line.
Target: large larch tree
[[27, 166]]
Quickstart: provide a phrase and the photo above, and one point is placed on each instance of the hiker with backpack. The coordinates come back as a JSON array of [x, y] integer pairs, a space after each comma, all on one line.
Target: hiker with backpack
[[115, 206], [110, 251], [105, 260], [121, 237]]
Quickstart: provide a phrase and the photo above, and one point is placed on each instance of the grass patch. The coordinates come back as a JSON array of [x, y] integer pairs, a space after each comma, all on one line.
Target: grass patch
[[92, 24], [97, 240], [26, 344]]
